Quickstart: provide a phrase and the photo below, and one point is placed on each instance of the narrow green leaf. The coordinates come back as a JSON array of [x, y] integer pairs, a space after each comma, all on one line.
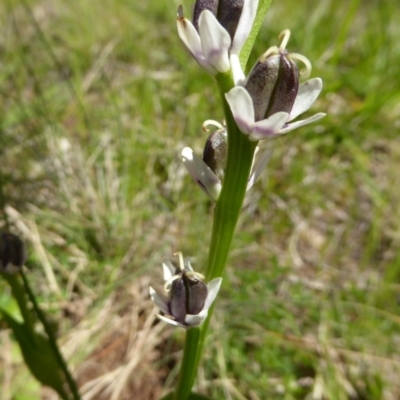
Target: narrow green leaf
[[38, 355]]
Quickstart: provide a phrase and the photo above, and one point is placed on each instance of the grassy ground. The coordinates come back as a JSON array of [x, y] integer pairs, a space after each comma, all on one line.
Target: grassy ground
[[96, 101]]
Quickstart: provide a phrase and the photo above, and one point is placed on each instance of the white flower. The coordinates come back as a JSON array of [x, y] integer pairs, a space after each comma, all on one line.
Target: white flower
[[208, 180], [270, 98], [187, 299], [242, 109], [212, 46]]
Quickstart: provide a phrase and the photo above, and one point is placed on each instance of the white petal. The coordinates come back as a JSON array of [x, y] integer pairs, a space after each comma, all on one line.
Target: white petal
[[307, 94], [242, 108], [268, 127], [168, 269], [196, 320], [170, 321], [201, 173], [303, 122], [191, 39], [245, 25], [161, 301], [239, 77], [213, 289], [261, 159], [215, 41]]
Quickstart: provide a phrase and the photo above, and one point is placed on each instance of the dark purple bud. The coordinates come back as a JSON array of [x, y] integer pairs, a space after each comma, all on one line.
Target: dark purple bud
[[229, 12], [178, 300], [286, 87], [273, 84], [201, 5], [215, 152], [261, 84], [12, 252], [188, 295]]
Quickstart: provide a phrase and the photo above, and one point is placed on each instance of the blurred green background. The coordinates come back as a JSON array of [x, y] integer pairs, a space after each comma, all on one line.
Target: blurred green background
[[97, 99]]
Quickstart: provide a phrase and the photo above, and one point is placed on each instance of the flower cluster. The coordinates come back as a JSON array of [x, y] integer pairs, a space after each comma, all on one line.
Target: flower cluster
[[187, 299], [264, 104]]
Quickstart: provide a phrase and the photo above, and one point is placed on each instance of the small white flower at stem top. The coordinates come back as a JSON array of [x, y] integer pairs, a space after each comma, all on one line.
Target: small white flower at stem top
[[271, 96], [208, 171], [187, 299], [218, 33]]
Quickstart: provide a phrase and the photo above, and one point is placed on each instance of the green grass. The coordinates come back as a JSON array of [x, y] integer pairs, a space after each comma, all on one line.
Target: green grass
[[97, 99]]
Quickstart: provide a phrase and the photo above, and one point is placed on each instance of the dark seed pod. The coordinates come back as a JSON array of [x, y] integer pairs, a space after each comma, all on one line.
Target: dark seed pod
[[261, 83], [286, 87], [12, 252], [188, 295], [229, 12], [201, 5], [196, 294], [215, 152], [178, 300], [273, 84]]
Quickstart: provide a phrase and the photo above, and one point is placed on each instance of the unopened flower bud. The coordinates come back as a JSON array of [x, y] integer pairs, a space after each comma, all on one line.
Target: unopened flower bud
[[12, 253], [273, 83], [215, 152]]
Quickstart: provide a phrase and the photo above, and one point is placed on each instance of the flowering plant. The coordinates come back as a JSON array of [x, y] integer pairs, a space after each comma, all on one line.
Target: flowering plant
[[259, 106]]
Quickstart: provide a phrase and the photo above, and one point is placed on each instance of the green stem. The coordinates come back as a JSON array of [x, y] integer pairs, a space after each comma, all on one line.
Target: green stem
[[18, 293], [52, 340], [227, 211]]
